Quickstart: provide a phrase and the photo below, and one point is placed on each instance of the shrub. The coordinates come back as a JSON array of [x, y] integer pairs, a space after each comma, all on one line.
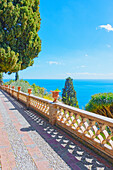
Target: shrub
[[24, 85], [36, 90], [102, 104]]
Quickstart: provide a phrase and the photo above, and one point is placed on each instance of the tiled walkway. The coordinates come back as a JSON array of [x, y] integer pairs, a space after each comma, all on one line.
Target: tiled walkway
[[29, 142]]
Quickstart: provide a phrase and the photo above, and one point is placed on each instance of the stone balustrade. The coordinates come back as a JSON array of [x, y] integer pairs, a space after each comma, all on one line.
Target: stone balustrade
[[93, 129], [22, 97], [39, 104]]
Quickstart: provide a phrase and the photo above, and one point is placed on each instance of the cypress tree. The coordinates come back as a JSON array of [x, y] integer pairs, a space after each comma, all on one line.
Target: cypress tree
[[69, 94], [19, 40]]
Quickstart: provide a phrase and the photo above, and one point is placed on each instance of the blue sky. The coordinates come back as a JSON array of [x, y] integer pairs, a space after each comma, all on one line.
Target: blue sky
[[77, 41]]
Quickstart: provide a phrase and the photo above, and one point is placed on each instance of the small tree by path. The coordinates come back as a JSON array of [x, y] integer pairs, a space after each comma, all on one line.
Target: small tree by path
[[69, 94]]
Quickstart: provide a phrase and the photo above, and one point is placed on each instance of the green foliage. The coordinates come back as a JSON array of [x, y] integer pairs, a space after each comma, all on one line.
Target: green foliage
[[24, 85], [36, 90], [69, 94], [41, 92], [19, 41], [57, 89], [101, 103], [9, 82]]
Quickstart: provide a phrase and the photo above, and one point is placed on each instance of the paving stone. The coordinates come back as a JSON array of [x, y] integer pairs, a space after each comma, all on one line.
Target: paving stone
[[22, 157]]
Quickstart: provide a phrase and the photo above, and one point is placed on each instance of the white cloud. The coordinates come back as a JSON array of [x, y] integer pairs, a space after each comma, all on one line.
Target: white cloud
[[108, 45], [53, 62], [82, 66], [90, 74], [86, 55], [108, 27], [69, 74]]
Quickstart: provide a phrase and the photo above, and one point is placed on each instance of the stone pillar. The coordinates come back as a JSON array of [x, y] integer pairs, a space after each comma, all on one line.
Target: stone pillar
[[13, 87], [10, 89], [18, 95], [19, 88], [12, 93], [52, 114], [28, 98], [6, 88]]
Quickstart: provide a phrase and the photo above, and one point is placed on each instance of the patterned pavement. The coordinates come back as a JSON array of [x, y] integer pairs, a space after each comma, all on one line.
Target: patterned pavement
[[28, 141]]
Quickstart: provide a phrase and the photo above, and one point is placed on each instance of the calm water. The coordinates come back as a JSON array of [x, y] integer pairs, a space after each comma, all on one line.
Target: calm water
[[84, 88]]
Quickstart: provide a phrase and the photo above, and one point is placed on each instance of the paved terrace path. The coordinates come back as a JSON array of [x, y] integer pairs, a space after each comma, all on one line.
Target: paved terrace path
[[29, 142]]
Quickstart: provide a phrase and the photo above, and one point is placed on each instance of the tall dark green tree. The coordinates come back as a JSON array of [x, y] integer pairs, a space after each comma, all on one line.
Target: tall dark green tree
[[69, 94], [19, 40]]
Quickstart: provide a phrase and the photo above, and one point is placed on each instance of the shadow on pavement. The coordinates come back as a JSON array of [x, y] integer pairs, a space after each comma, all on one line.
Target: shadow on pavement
[[27, 129]]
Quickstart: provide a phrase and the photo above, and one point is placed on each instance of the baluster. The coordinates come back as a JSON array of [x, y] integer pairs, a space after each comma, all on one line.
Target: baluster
[[78, 117]]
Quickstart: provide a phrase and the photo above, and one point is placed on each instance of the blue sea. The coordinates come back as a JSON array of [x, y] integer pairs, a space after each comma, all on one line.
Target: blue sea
[[84, 88]]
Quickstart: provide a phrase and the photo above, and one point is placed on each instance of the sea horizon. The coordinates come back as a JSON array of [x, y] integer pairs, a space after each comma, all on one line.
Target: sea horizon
[[57, 79]]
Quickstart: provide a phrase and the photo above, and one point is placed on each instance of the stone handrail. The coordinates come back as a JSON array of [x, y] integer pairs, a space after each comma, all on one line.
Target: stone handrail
[[95, 130]]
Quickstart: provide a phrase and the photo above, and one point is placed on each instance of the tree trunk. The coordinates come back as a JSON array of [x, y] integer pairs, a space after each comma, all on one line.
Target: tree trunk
[[16, 76], [1, 78]]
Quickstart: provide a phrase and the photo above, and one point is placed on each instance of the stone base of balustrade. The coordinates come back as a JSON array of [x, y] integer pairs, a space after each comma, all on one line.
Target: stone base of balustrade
[[89, 143]]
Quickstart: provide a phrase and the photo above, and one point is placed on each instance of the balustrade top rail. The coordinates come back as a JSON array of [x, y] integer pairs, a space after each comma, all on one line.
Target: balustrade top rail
[[92, 128], [21, 92], [41, 99], [100, 118]]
